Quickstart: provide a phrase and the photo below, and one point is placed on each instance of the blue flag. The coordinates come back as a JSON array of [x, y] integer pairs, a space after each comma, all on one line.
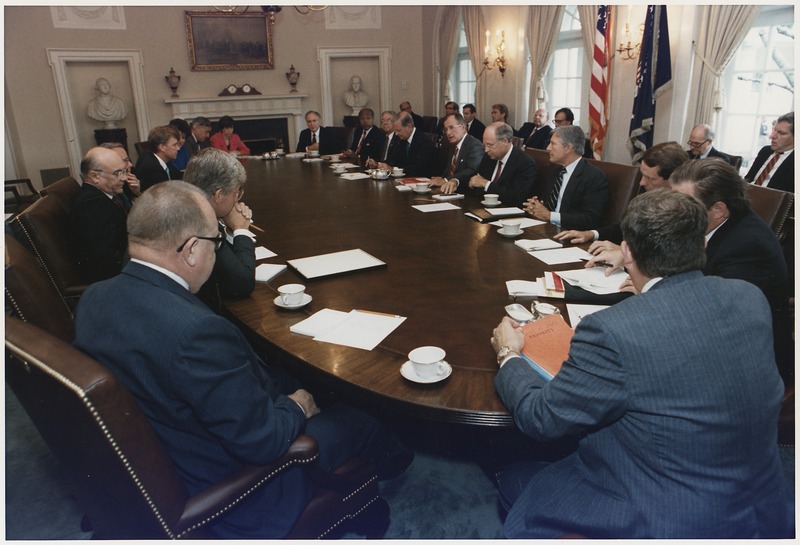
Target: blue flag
[[653, 77]]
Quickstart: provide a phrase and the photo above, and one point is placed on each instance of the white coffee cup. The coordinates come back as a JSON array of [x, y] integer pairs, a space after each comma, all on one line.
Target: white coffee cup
[[397, 171], [511, 227], [338, 169], [335, 159], [421, 187], [428, 361], [280, 151], [492, 198], [291, 294], [313, 153]]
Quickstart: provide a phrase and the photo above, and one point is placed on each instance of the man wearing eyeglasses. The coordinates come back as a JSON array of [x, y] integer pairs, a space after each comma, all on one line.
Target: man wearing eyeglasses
[[221, 177], [463, 155], [701, 144], [98, 215], [505, 169], [213, 402]]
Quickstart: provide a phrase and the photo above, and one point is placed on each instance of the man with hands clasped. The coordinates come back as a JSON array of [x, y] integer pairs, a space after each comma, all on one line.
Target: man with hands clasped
[[464, 159]]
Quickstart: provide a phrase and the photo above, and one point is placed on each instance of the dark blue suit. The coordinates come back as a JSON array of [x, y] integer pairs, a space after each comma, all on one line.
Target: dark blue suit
[[416, 158], [150, 172], [470, 155], [212, 401], [516, 179], [371, 146], [674, 397], [328, 142], [585, 196], [782, 179]]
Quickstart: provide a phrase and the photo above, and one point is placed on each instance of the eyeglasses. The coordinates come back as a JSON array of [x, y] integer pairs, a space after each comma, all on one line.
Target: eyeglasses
[[697, 144], [118, 173], [452, 127], [490, 145], [559, 121], [217, 240]]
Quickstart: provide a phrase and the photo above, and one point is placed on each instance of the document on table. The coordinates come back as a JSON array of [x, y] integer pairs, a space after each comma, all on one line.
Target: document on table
[[313, 160], [539, 244], [335, 263], [403, 188], [576, 312], [595, 279], [296, 155], [561, 255], [524, 223], [263, 253], [345, 165], [450, 197], [438, 207], [358, 328], [508, 211], [354, 176], [526, 288], [267, 271]]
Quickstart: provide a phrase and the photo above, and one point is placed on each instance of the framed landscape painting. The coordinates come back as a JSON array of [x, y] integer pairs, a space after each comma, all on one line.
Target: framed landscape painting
[[229, 41]]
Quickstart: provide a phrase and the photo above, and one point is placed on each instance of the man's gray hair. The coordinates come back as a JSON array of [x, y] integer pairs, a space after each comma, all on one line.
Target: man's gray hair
[[405, 119], [573, 136], [390, 112], [201, 121], [665, 231], [313, 112], [213, 169], [503, 131], [165, 215]]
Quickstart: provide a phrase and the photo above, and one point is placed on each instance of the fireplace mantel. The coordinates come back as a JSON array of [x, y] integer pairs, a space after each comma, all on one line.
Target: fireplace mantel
[[244, 107]]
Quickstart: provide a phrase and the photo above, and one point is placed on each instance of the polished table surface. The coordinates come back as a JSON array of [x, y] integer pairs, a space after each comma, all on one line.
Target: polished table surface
[[445, 273]]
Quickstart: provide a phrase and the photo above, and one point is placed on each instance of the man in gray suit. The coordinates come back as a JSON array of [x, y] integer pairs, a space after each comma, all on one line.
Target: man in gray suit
[[675, 418], [463, 156]]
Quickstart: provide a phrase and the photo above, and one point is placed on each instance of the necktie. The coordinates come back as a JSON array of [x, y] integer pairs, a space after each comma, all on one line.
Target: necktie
[[313, 138], [498, 172], [552, 200], [119, 202], [167, 171], [768, 168], [454, 162], [407, 146], [361, 141]]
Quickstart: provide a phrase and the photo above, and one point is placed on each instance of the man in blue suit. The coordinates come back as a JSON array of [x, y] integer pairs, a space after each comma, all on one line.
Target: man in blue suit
[[209, 397], [673, 396], [462, 155]]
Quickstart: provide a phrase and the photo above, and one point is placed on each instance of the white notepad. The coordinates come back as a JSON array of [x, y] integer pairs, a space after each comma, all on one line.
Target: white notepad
[[267, 271], [335, 263]]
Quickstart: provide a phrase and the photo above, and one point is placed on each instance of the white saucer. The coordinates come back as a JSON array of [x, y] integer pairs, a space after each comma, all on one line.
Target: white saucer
[[422, 192], [306, 300], [398, 175], [515, 235], [407, 370], [490, 205]]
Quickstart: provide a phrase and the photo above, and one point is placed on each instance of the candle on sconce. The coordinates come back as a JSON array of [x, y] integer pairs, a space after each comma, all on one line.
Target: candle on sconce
[[486, 49]]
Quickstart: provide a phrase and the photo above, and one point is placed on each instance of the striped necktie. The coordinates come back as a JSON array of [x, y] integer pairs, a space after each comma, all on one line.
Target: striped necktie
[[768, 168], [454, 162], [552, 200]]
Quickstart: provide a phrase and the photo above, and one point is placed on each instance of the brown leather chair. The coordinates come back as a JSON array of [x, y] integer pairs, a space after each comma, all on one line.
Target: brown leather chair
[[772, 205], [126, 482], [45, 229], [736, 161], [543, 166], [517, 142], [30, 296], [344, 136], [64, 191], [623, 185]]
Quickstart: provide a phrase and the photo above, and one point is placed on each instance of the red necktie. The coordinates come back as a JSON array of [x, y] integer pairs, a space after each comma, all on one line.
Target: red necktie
[[454, 162], [767, 169], [313, 138], [497, 173], [361, 141]]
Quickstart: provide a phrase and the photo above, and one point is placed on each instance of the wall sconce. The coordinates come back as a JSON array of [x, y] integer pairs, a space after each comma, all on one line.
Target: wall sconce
[[630, 51], [500, 59], [271, 11]]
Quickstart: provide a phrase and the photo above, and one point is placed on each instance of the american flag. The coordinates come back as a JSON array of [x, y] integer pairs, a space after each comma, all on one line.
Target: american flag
[[653, 77], [598, 93]]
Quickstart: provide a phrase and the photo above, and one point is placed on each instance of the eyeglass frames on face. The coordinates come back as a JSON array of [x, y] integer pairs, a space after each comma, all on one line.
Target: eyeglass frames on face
[[118, 173], [217, 240], [697, 144]]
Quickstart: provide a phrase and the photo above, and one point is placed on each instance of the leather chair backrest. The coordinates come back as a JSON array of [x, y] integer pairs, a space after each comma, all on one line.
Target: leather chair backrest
[[543, 166], [517, 142], [429, 124], [736, 161], [772, 205], [64, 191], [30, 296], [623, 185], [95, 428], [46, 229], [344, 136]]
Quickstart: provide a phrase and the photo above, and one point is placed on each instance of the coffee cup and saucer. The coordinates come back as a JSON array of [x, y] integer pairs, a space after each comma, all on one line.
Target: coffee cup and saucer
[[334, 159], [426, 365], [511, 228], [422, 187], [292, 296], [490, 200], [339, 169], [398, 172]]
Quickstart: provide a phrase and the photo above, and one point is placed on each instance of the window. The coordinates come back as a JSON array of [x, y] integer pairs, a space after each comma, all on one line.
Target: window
[[462, 81], [564, 79], [759, 84]]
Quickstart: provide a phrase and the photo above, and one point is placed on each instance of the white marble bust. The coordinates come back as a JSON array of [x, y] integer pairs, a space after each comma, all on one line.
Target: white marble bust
[[106, 107], [356, 97]]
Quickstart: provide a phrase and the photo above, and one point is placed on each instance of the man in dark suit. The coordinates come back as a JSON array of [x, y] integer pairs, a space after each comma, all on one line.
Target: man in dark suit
[[419, 122], [367, 139], [197, 140], [155, 166], [450, 108], [564, 117], [316, 137], [701, 144], [414, 150], [672, 395], [774, 165], [741, 245], [221, 177], [504, 170], [463, 156], [474, 126], [577, 193], [212, 401], [98, 215], [537, 134]]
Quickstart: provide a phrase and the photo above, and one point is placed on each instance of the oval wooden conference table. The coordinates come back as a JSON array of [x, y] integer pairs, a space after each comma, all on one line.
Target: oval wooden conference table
[[444, 272]]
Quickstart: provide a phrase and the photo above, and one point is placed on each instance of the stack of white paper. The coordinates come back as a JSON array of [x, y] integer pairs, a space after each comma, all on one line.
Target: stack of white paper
[[263, 253], [508, 211], [576, 312], [436, 207], [595, 279], [358, 328], [354, 176], [561, 255], [335, 263], [267, 271], [524, 223], [540, 244]]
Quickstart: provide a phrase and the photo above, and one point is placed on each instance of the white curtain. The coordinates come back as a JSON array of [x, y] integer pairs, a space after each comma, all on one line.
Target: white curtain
[[448, 48], [723, 29], [475, 29], [544, 25], [588, 18]]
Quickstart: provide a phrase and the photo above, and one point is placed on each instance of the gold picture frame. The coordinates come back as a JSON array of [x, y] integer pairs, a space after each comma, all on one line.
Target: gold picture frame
[[229, 41]]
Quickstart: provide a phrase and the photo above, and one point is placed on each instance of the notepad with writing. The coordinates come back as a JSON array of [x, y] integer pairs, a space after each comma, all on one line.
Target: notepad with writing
[[546, 344]]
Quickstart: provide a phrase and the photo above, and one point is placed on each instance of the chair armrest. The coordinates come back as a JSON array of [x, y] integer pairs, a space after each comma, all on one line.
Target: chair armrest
[[215, 500]]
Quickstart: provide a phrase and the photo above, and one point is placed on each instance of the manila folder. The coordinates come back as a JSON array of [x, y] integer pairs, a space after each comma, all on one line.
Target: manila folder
[[547, 344]]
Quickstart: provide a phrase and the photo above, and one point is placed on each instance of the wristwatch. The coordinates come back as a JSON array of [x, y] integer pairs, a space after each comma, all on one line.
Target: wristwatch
[[503, 354]]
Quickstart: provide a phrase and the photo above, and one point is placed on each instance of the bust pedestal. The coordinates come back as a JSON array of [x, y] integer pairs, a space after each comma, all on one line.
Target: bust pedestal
[[111, 135]]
